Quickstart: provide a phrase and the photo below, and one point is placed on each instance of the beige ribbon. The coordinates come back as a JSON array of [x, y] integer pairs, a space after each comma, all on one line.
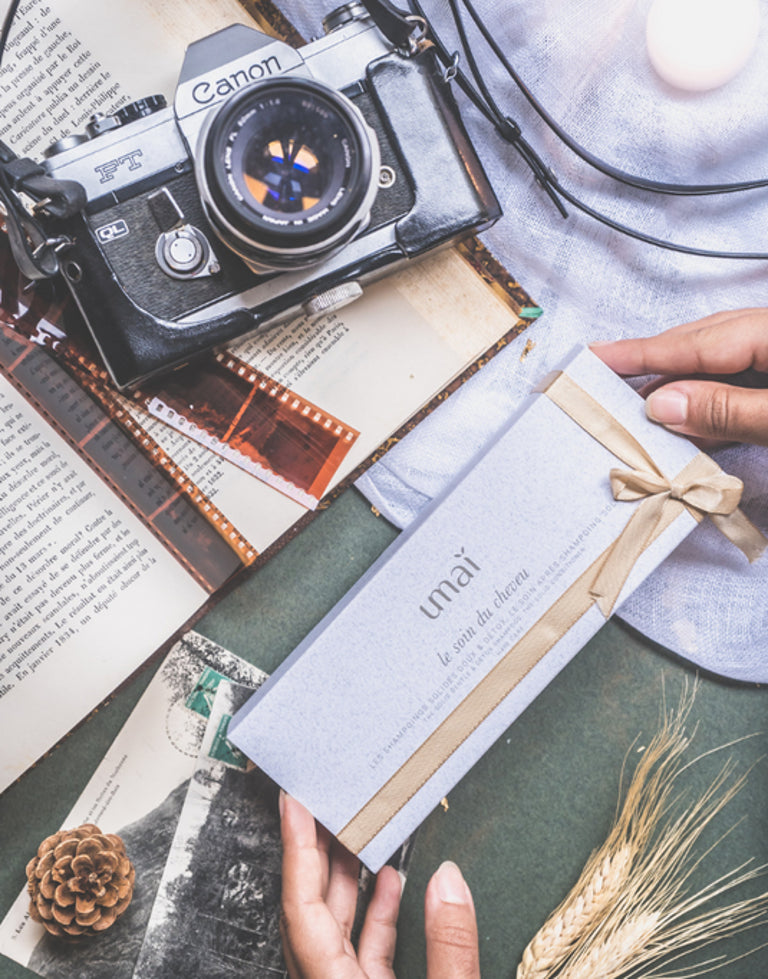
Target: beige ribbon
[[701, 488]]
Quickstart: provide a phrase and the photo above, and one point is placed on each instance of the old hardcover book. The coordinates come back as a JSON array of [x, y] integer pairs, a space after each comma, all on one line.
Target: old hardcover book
[[121, 515]]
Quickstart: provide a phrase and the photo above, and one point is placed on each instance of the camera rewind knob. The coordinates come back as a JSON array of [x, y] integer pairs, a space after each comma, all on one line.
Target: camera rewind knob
[[140, 108]]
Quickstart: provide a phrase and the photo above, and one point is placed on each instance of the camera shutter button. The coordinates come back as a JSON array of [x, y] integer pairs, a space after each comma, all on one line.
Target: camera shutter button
[[332, 299]]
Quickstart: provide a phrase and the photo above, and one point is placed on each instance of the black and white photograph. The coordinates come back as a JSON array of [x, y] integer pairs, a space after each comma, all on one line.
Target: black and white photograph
[[216, 914]]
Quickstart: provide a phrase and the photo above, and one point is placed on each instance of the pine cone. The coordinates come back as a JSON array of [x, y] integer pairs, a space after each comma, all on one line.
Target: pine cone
[[80, 882]]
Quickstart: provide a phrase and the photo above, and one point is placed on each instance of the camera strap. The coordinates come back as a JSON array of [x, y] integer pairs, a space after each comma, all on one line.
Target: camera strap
[[35, 252], [475, 88], [401, 27]]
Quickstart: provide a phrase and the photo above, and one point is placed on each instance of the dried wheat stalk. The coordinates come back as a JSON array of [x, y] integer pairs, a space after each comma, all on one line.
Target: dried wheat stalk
[[585, 906], [631, 910], [645, 933], [608, 869], [608, 957]]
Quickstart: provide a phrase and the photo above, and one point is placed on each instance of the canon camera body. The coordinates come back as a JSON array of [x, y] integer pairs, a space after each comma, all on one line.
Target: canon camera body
[[280, 181]]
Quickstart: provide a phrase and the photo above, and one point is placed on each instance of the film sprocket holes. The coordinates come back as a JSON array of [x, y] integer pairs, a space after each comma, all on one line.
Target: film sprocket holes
[[281, 180]]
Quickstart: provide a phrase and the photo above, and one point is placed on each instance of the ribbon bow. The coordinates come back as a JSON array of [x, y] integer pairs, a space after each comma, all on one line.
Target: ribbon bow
[[702, 488]]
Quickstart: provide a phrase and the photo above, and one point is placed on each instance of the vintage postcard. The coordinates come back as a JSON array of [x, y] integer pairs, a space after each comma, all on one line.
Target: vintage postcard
[[137, 792]]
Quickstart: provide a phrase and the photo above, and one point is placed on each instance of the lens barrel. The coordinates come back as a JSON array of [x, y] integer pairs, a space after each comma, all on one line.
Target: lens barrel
[[288, 172]]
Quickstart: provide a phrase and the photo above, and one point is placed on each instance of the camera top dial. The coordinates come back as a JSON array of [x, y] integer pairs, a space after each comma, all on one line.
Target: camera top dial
[[288, 172]]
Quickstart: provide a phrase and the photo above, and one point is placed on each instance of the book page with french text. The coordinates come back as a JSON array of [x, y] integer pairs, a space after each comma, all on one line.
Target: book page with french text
[[76, 566]]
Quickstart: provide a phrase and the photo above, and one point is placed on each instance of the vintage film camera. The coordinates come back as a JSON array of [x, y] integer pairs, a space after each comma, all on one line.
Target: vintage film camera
[[280, 181]]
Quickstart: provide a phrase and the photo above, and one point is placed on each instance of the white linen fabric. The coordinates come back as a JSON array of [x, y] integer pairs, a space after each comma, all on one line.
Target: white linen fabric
[[586, 61]]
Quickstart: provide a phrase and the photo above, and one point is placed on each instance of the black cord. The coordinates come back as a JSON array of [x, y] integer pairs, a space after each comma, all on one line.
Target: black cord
[[510, 131], [650, 239], [642, 183], [9, 18]]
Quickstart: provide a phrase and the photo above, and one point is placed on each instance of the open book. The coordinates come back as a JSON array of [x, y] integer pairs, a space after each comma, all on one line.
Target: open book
[[121, 515]]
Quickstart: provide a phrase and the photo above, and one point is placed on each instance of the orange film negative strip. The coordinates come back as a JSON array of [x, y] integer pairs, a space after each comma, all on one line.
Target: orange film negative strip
[[253, 421], [222, 403]]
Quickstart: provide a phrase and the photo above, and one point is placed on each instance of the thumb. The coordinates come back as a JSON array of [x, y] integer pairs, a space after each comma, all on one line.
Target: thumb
[[710, 410], [450, 926]]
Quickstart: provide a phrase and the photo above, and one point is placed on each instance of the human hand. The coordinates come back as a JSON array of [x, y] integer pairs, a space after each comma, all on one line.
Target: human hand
[[714, 375], [318, 909]]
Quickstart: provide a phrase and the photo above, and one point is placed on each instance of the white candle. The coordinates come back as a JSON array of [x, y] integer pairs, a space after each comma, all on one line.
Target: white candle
[[698, 45]]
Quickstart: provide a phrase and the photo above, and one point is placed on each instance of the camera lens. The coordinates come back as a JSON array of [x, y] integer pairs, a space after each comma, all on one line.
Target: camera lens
[[289, 172]]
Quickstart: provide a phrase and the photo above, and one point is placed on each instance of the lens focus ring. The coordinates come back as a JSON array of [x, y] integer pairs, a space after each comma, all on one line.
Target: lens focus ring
[[288, 172]]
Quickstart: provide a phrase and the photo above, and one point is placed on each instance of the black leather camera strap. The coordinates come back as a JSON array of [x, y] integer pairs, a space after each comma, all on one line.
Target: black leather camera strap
[[34, 250], [395, 24]]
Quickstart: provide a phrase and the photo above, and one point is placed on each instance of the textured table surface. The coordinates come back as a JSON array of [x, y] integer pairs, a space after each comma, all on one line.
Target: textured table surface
[[524, 820]]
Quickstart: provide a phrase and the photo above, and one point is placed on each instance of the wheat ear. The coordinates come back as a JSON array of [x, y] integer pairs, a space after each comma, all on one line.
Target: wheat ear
[[609, 958], [608, 869], [644, 935], [658, 919], [555, 940]]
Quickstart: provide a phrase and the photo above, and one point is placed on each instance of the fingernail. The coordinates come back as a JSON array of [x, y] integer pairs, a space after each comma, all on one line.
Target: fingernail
[[667, 406], [451, 886], [281, 802], [403, 879]]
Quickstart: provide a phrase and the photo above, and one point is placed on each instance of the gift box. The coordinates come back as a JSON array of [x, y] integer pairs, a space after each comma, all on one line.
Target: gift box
[[478, 605]]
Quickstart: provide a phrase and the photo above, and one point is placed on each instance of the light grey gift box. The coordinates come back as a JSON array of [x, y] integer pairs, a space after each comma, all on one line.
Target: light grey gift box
[[475, 608]]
